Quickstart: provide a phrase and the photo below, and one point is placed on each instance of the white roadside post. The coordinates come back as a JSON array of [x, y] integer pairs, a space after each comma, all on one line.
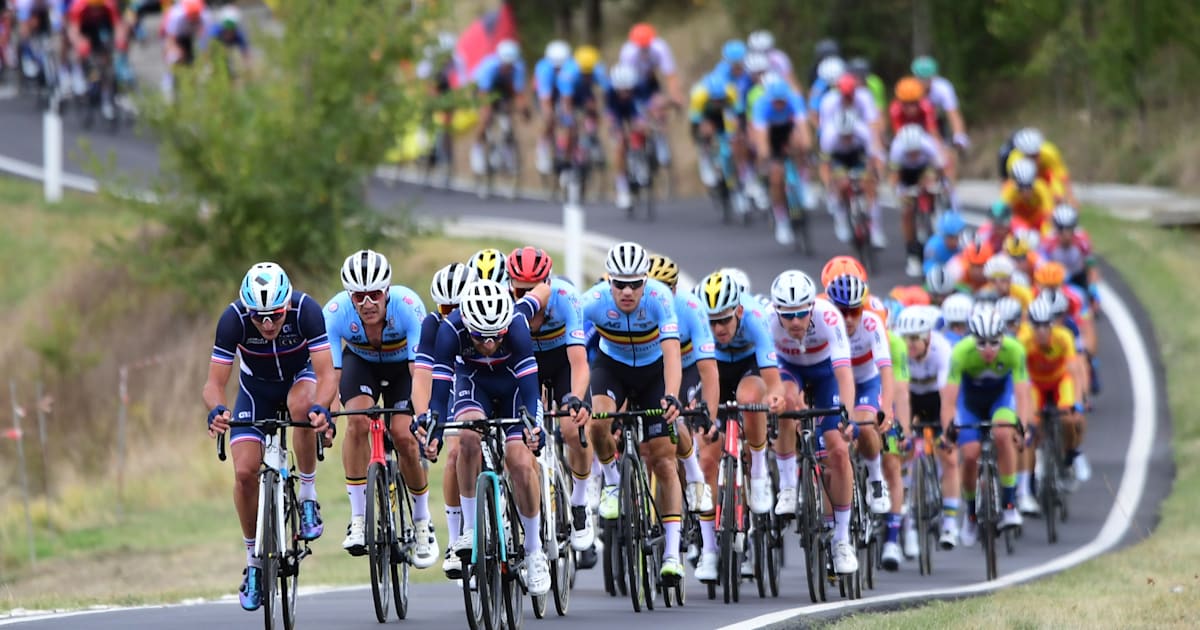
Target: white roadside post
[[52, 152], [573, 242]]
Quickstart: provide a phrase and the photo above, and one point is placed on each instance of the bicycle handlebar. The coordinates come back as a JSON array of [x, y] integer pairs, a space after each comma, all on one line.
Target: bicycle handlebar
[[567, 413], [272, 424], [482, 424], [806, 414], [373, 412]]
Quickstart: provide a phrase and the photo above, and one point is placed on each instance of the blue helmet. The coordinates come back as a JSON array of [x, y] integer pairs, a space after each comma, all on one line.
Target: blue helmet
[[847, 291], [734, 51], [777, 90], [266, 288], [893, 307], [715, 85], [951, 224]]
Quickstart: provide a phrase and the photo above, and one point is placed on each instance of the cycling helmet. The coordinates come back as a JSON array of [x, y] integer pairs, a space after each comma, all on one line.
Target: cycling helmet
[[508, 52], [487, 308], [761, 41], [1028, 141], [1065, 217], [938, 282], [859, 67], [624, 77], [529, 264], [827, 47], [842, 265], [1020, 243], [911, 138], [1041, 310], [830, 69], [366, 271], [1050, 274], [1009, 309], [847, 84], [909, 295], [1024, 172], [266, 288], [999, 266], [846, 123], [956, 309], [924, 67], [1001, 212], [192, 8], [888, 308], [909, 90], [488, 264], [716, 86], [558, 52], [1058, 300], [793, 289], [229, 16], [449, 282], [847, 291], [951, 224], [977, 253], [986, 295], [986, 323], [757, 62], [642, 34], [734, 51], [738, 276], [916, 320], [775, 88], [720, 293], [586, 57], [664, 270], [627, 260]]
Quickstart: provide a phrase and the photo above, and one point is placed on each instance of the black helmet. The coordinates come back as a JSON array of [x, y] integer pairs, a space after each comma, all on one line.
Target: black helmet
[[859, 67], [826, 48]]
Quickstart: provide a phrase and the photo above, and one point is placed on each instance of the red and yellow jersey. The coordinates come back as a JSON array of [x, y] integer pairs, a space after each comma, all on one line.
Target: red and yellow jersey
[[1050, 165], [1047, 365], [1033, 207]]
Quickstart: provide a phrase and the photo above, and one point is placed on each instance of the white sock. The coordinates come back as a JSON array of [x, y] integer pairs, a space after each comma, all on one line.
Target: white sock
[[1023, 483], [454, 520], [421, 505], [468, 514], [358, 498], [251, 561], [691, 467], [671, 538], [612, 474], [875, 468], [708, 535], [758, 463], [841, 524], [533, 533], [597, 470], [579, 491], [308, 486], [787, 471]]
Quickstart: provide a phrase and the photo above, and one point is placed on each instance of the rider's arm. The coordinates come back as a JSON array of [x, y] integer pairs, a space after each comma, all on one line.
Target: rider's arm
[[525, 367], [950, 390], [1020, 378], [839, 352], [446, 349], [710, 383], [422, 366], [881, 350], [230, 330], [312, 326], [576, 345]]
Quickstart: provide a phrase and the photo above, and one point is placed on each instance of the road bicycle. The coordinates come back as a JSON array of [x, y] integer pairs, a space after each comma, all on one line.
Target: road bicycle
[[727, 191], [641, 167], [502, 156], [556, 521], [854, 204], [797, 211], [987, 498], [926, 494], [1053, 472]]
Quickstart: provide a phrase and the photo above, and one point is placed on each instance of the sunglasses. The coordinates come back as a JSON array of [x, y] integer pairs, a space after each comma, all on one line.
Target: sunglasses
[[913, 338], [273, 316], [1042, 325], [851, 312], [633, 285], [790, 315], [989, 343], [720, 321], [374, 297], [493, 338]]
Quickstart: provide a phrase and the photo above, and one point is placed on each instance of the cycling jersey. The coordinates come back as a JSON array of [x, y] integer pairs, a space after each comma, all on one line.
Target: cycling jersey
[[899, 352], [751, 339], [633, 339], [177, 24], [489, 76], [870, 349], [239, 39], [1050, 165], [701, 104], [657, 58], [844, 149], [928, 374], [46, 12], [925, 116], [815, 93], [95, 22], [401, 328], [282, 359], [578, 86], [778, 62], [833, 104], [562, 317], [987, 387], [741, 82], [546, 77], [1075, 253], [928, 157], [1047, 365], [1033, 207], [766, 114], [942, 95], [810, 362], [695, 335], [621, 110], [937, 252]]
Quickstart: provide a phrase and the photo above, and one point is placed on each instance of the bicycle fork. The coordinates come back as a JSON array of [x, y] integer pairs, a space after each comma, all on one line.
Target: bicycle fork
[[732, 449], [271, 490]]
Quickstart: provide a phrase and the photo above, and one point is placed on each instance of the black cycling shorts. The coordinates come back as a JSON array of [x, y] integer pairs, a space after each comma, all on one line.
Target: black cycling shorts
[[731, 375], [780, 138], [361, 377], [642, 387], [849, 160], [689, 387], [912, 176], [927, 408], [554, 374]]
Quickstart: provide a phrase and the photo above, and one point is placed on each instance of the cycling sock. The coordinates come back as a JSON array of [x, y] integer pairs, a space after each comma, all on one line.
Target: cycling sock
[[468, 514], [1008, 490], [708, 533], [533, 533], [1072, 453], [612, 474], [781, 213], [453, 523], [950, 507], [579, 489], [875, 468], [787, 470], [893, 527], [596, 469], [251, 561], [691, 467], [622, 182], [671, 536], [356, 487], [1023, 488], [841, 523], [758, 461], [308, 486], [969, 497], [420, 503]]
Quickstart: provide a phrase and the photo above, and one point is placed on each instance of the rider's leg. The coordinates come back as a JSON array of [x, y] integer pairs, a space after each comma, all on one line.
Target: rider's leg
[[478, 157], [841, 481], [409, 456], [302, 397], [527, 488], [1006, 462], [356, 452], [661, 460], [470, 462], [710, 458], [450, 494], [951, 485]]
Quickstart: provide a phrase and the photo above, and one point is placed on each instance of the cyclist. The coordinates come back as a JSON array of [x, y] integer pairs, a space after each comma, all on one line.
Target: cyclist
[[381, 325], [556, 325], [446, 291], [278, 335], [625, 116], [1021, 246], [651, 56], [763, 42], [489, 263], [822, 50], [998, 226], [956, 314], [928, 369], [988, 379], [847, 151], [860, 67], [186, 26], [485, 352], [1070, 246], [913, 161], [442, 68], [950, 120], [34, 18], [229, 32], [546, 74], [1029, 197], [850, 96], [829, 70], [810, 338], [1058, 374], [939, 285], [95, 27], [999, 271], [500, 79], [912, 107], [1030, 144], [894, 440], [577, 87], [778, 132], [1052, 275], [638, 364], [945, 244], [713, 108], [967, 265]]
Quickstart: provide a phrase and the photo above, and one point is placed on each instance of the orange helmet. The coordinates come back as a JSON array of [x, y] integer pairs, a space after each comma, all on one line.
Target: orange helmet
[[977, 253], [910, 295], [842, 265], [193, 8], [1050, 274], [910, 90], [642, 34]]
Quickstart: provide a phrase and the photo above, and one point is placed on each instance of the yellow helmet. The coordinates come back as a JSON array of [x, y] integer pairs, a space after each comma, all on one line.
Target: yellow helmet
[[664, 270], [488, 264], [587, 57]]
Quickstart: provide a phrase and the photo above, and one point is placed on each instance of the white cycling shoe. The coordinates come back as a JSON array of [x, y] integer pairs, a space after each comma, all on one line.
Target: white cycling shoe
[[787, 502], [425, 548], [845, 560], [760, 495], [537, 573]]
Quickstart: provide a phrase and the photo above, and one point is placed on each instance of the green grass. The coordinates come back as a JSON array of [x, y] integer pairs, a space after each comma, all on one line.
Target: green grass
[[1155, 583]]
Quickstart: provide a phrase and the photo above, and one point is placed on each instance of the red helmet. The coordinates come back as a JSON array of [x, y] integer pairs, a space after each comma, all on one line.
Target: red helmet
[[642, 34], [847, 83], [529, 264], [193, 8]]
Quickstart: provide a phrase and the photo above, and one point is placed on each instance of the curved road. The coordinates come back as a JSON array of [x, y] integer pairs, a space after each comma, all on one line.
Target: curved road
[[689, 232]]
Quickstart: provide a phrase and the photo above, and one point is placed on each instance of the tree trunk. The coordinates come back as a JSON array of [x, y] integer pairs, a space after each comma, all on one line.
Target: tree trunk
[[595, 22], [562, 20], [1087, 19], [922, 28]]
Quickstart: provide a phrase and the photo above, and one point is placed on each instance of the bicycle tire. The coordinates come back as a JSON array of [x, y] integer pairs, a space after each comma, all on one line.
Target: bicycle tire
[[512, 588], [610, 533], [632, 535], [547, 511], [289, 577], [563, 573], [922, 518], [759, 543], [487, 569], [378, 539], [1048, 483], [404, 539], [270, 549], [731, 566], [986, 521], [810, 524]]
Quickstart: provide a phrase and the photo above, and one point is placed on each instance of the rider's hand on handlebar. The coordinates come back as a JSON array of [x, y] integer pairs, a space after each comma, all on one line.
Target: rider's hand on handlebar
[[776, 402], [671, 407], [535, 439], [218, 421], [581, 411]]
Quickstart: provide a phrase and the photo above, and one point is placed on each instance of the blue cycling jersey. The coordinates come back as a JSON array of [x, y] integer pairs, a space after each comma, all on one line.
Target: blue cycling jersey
[[488, 77], [632, 338], [622, 110], [511, 367], [742, 83], [765, 114], [280, 359], [936, 252], [546, 78], [580, 86], [562, 317], [753, 337], [819, 88], [695, 335], [239, 40], [401, 328]]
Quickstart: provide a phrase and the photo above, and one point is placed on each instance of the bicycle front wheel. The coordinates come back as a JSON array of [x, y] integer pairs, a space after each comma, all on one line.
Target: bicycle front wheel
[[1048, 482], [810, 528], [269, 546], [633, 537], [488, 543], [289, 557], [987, 517], [379, 538], [403, 538]]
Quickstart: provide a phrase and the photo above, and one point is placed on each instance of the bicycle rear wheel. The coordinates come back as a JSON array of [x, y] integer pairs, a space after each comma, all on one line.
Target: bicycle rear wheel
[[512, 587], [922, 519], [289, 560], [731, 566], [1048, 482], [562, 573], [402, 542], [632, 535], [379, 539], [987, 518], [760, 539], [269, 547], [488, 544], [810, 529]]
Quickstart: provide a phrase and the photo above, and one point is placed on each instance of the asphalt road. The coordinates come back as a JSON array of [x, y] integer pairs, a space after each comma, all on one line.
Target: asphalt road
[[690, 232]]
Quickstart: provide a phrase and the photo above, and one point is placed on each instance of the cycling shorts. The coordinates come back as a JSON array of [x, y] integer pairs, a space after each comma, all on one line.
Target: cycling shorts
[[779, 137], [732, 373], [1060, 394], [258, 399], [371, 378], [927, 408], [642, 387], [912, 176], [493, 394], [720, 118], [849, 160], [689, 387], [974, 405], [554, 373], [866, 395], [819, 382]]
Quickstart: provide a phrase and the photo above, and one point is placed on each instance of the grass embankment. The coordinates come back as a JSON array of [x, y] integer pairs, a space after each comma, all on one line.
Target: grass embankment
[[178, 535], [1154, 583]]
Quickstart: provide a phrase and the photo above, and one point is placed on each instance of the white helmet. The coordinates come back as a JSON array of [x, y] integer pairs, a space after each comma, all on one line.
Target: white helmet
[[911, 138], [487, 307], [1009, 309], [757, 62], [720, 293], [761, 41], [999, 266], [1028, 141], [1041, 310], [229, 15], [488, 264], [986, 323], [449, 282], [508, 52], [558, 52], [738, 276], [938, 281], [266, 288], [1058, 300], [366, 271], [624, 77], [1065, 216], [1024, 171], [831, 69], [627, 260], [793, 289], [918, 319], [956, 309]]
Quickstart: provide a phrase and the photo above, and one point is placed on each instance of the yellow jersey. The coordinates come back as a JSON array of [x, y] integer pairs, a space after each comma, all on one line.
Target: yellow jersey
[[1050, 167], [1047, 366], [700, 105], [1033, 207], [1020, 293]]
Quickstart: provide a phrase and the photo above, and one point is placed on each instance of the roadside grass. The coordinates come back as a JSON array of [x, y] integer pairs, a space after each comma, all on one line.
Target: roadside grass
[[1155, 583]]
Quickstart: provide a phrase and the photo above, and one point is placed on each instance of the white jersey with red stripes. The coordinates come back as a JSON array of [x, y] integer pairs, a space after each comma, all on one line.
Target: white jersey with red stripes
[[826, 339], [870, 350]]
